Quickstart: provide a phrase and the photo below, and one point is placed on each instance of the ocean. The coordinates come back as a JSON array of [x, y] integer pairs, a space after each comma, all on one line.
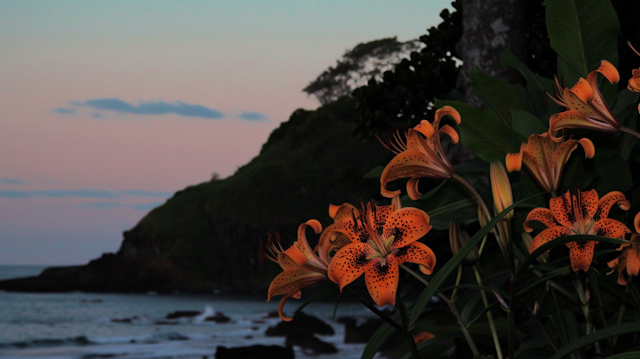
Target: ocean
[[88, 325]]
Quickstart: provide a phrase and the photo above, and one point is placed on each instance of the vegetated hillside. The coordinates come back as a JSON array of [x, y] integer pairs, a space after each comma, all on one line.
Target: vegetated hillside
[[212, 232]]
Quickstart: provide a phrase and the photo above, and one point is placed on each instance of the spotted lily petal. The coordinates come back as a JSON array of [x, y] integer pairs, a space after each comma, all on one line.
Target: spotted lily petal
[[350, 263], [581, 254], [382, 280], [542, 215], [548, 235], [406, 225], [418, 253]]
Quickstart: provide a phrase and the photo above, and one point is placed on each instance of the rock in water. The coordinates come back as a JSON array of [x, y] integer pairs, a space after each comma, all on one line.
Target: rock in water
[[302, 324], [255, 352]]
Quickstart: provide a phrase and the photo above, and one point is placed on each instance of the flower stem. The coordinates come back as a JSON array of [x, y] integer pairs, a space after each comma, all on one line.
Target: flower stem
[[454, 295], [453, 309], [630, 131], [405, 328], [485, 209], [375, 310], [492, 325]]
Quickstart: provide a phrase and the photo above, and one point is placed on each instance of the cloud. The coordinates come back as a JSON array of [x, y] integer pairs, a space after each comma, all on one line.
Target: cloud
[[11, 181], [65, 111], [83, 193], [252, 116], [147, 108], [99, 105]]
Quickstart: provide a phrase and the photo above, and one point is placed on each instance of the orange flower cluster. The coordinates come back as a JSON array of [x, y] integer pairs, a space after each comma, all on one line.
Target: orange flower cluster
[[629, 259], [578, 214], [373, 240]]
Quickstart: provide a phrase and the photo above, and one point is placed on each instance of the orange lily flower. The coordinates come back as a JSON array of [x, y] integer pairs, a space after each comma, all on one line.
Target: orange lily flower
[[421, 155], [634, 81], [587, 107], [301, 266], [582, 214], [382, 238], [545, 158], [629, 259]]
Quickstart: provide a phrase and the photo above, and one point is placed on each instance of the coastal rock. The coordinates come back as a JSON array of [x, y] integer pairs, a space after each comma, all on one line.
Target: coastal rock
[[183, 314], [301, 325], [310, 344], [354, 333], [219, 318], [255, 352]]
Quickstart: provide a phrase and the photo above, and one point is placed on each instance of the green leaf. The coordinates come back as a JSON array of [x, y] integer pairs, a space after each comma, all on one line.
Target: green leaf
[[631, 355], [542, 84], [526, 123], [499, 96], [538, 86], [482, 132], [612, 331], [583, 33], [452, 264], [437, 340], [377, 340], [447, 201]]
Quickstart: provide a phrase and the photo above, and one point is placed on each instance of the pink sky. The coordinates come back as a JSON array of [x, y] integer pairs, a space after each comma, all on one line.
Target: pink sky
[[66, 179]]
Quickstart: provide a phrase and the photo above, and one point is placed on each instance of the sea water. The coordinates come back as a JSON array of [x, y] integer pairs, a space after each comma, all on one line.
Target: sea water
[[88, 325]]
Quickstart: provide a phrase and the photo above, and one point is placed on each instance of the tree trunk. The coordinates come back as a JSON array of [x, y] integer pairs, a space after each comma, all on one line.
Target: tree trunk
[[489, 28]]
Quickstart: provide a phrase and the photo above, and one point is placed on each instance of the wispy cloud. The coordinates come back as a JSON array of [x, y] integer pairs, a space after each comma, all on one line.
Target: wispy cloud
[[99, 106], [82, 193], [65, 111], [144, 108], [252, 116], [12, 181]]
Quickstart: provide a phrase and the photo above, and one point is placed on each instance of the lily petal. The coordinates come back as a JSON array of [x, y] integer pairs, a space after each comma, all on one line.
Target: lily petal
[[581, 254], [449, 131], [377, 215], [562, 210], [585, 205], [349, 263], [542, 215], [636, 222], [513, 161], [418, 253], [382, 280], [448, 111], [548, 235], [410, 163], [292, 280], [609, 227], [607, 201], [633, 260], [283, 301], [576, 119], [583, 91], [607, 70], [412, 188], [406, 225]]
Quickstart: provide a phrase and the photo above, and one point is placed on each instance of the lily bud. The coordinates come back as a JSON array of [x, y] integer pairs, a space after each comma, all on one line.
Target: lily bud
[[457, 239], [527, 239], [501, 188]]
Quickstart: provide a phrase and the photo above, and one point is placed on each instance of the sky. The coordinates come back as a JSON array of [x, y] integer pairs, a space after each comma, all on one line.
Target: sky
[[108, 108]]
